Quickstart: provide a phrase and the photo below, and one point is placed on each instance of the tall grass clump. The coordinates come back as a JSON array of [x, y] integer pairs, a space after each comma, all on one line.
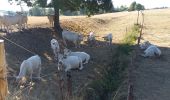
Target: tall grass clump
[[114, 73]]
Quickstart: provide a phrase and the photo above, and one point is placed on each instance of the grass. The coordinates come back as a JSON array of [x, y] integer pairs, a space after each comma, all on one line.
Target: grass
[[156, 32], [113, 75]]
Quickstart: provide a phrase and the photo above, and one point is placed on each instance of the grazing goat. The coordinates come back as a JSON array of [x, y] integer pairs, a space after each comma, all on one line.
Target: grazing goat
[[70, 62], [145, 45], [151, 51], [91, 37], [51, 20], [108, 37], [73, 37], [84, 56], [55, 47], [17, 19], [24, 22], [30, 66]]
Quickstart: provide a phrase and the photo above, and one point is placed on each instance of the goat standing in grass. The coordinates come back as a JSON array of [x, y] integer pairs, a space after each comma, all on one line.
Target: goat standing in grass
[[29, 67], [108, 37], [73, 37], [55, 47], [91, 38], [51, 20]]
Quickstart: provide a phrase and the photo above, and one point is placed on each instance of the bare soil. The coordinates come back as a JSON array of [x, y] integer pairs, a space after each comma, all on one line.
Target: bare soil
[[151, 76], [36, 39], [151, 81]]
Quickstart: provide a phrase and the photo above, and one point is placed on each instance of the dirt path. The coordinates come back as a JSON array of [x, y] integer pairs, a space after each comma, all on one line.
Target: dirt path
[[151, 76]]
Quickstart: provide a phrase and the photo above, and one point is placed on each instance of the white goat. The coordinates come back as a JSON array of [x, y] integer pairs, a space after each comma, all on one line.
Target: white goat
[[24, 21], [51, 20], [73, 37], [91, 36], [151, 51], [55, 46], [84, 56], [145, 45], [30, 66], [70, 62], [17, 19], [108, 37]]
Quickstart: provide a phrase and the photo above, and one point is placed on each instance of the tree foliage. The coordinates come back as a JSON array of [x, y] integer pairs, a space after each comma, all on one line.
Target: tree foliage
[[136, 6], [91, 7], [132, 6], [121, 8], [139, 7], [107, 5]]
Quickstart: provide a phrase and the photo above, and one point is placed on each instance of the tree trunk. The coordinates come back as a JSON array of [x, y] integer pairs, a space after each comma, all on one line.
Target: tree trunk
[[57, 26]]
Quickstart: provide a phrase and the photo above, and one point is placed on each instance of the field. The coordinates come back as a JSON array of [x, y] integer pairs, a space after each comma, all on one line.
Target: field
[[151, 76]]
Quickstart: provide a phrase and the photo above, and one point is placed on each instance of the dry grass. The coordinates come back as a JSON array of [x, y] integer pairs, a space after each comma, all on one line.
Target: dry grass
[[115, 23], [156, 30], [152, 75], [157, 23]]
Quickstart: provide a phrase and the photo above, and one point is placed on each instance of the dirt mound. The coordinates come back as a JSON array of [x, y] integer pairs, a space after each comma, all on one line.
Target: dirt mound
[[83, 25], [35, 40]]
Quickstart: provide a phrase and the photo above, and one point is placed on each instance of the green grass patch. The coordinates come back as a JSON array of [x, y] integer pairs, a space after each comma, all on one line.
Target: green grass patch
[[113, 74]]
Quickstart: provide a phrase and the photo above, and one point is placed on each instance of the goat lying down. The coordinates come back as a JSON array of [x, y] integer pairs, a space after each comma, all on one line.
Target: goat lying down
[[108, 37], [70, 62], [152, 51], [84, 56], [30, 66], [145, 45]]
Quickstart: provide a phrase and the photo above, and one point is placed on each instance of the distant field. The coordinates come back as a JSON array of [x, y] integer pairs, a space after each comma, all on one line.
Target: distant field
[[156, 23]]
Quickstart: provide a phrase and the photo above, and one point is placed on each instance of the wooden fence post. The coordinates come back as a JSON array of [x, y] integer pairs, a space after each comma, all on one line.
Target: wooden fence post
[[69, 86], [3, 72], [140, 36]]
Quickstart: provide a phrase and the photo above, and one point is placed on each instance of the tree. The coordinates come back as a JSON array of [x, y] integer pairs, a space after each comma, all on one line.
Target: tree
[[139, 7], [50, 11], [121, 8], [132, 6], [91, 6], [35, 11]]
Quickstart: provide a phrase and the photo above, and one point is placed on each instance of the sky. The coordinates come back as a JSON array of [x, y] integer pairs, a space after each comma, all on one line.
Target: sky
[[146, 3], [4, 5]]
